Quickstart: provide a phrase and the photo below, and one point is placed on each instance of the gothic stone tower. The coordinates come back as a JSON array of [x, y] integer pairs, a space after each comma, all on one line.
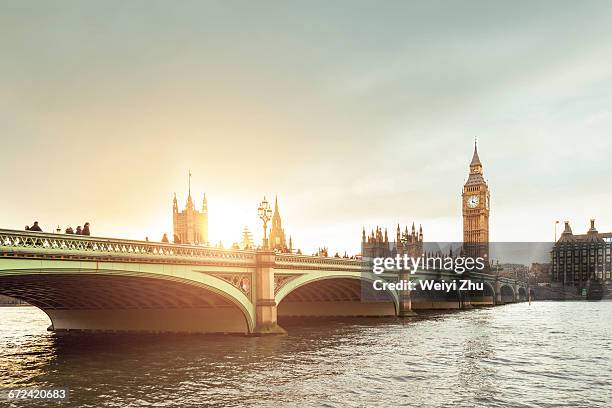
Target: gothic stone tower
[[190, 225], [475, 200], [277, 234]]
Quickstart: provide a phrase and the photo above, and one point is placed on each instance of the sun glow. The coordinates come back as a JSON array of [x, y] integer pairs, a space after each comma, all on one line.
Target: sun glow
[[226, 220]]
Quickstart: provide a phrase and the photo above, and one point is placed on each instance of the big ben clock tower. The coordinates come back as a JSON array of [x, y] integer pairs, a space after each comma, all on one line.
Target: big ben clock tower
[[475, 199]]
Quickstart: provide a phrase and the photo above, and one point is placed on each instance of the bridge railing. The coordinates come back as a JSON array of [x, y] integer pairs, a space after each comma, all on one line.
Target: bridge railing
[[13, 241], [17, 242], [317, 262]]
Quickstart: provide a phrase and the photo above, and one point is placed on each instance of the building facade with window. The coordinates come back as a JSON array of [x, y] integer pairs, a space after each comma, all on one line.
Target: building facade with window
[[580, 260]]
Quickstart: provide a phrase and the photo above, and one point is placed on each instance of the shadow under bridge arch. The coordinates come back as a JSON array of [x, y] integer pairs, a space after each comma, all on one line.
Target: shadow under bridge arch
[[484, 297], [507, 294], [335, 295], [131, 301]]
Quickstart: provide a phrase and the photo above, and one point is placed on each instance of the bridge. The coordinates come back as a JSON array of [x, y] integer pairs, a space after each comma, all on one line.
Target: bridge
[[103, 284]]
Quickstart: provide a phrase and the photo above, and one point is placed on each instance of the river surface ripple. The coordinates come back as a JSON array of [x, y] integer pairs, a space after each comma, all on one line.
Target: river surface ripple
[[547, 354]]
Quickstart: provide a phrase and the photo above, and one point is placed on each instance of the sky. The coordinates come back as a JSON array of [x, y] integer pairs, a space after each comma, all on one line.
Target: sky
[[355, 113]]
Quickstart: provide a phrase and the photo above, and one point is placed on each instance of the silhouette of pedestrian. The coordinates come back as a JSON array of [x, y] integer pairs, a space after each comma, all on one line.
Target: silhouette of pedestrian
[[79, 230], [85, 230], [69, 230], [165, 238], [27, 228], [35, 227], [177, 239]]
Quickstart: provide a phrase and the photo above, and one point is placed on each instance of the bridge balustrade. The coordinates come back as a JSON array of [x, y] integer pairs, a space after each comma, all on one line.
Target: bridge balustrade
[[14, 242], [290, 261]]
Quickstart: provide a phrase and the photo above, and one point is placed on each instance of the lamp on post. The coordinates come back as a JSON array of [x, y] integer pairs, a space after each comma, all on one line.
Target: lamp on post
[[265, 213], [556, 223]]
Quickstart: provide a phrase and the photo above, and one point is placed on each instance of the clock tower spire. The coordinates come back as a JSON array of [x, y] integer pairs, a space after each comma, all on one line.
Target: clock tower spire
[[475, 198]]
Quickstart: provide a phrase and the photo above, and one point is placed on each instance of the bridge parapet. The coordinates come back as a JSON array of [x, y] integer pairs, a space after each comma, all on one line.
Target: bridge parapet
[[16, 243], [291, 261]]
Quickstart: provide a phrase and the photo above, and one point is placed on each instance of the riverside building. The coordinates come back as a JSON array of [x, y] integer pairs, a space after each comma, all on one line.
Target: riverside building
[[580, 260]]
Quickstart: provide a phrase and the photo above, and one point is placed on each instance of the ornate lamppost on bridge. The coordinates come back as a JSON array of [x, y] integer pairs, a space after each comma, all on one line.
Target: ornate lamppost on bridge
[[265, 302], [265, 213]]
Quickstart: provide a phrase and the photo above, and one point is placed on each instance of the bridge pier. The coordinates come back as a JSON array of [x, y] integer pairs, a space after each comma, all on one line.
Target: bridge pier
[[265, 305], [405, 299], [498, 295], [517, 297], [465, 302]]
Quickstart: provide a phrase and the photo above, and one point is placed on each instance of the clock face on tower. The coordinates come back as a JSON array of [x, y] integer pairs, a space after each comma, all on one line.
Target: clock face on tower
[[475, 208], [473, 201]]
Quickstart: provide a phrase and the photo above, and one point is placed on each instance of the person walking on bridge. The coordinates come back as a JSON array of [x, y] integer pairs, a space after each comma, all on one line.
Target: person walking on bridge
[[79, 230], [35, 227], [86, 229]]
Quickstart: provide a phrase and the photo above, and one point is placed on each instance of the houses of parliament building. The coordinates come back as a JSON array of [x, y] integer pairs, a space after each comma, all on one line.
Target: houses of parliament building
[[377, 245], [476, 209], [190, 225]]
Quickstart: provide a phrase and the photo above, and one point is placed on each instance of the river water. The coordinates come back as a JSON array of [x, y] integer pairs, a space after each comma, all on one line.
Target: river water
[[544, 354]]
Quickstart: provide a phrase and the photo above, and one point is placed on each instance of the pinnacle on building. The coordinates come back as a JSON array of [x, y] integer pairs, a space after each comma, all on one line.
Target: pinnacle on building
[[190, 225], [377, 244], [277, 233]]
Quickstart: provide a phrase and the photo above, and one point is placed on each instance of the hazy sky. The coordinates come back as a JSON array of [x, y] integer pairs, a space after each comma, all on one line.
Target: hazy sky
[[353, 112]]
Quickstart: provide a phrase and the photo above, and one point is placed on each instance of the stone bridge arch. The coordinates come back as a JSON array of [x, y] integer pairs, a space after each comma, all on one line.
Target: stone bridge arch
[[334, 295], [485, 297], [176, 300], [506, 294]]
